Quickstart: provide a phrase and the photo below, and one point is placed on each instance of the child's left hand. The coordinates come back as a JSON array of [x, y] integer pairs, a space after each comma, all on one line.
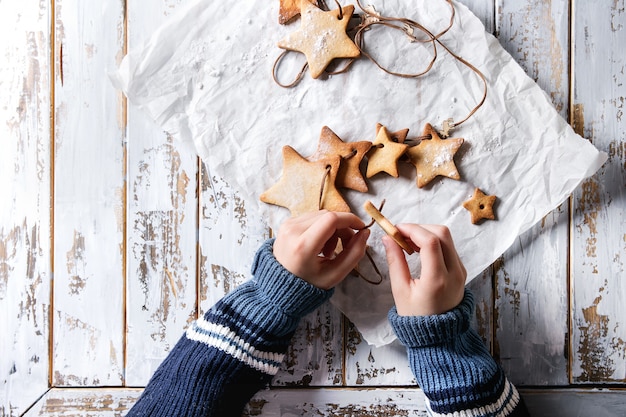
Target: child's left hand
[[305, 246]]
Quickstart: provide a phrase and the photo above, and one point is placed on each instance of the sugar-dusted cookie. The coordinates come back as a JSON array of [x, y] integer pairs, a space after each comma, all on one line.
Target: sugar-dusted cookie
[[351, 153], [306, 186], [384, 155], [289, 9], [435, 156], [322, 36], [480, 206], [399, 136]]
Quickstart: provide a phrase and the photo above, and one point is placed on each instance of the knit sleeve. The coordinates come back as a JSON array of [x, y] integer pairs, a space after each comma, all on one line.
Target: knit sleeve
[[226, 356], [453, 367]]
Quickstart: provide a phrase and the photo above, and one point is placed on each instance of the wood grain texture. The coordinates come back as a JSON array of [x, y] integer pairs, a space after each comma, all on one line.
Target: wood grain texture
[[531, 277], [484, 10], [599, 217], [162, 226], [84, 402], [89, 200], [107, 402], [142, 238], [25, 251]]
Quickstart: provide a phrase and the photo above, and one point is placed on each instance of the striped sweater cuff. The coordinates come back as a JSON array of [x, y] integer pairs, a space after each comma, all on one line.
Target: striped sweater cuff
[[254, 323], [502, 406], [424, 331], [292, 295]]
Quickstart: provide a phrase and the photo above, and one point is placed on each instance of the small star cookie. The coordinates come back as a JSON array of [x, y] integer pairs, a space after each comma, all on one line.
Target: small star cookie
[[306, 186], [480, 206], [434, 157], [384, 155], [352, 153], [399, 136], [322, 36]]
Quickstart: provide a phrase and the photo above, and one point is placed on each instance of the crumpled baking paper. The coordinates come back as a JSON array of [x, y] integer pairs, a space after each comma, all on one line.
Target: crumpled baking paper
[[206, 77]]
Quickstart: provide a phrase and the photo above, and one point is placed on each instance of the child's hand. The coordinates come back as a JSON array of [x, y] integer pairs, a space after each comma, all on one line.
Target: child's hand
[[305, 246], [440, 286]]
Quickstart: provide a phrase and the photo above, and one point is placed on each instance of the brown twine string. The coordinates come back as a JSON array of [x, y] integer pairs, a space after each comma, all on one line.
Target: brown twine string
[[407, 25], [350, 155], [371, 18], [369, 256], [360, 275], [326, 175], [340, 10], [298, 77]]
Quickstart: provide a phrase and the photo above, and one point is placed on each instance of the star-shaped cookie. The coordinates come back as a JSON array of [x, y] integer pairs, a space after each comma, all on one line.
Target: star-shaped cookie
[[306, 186], [435, 156], [480, 206], [322, 36], [330, 146], [399, 136], [289, 9], [384, 155]]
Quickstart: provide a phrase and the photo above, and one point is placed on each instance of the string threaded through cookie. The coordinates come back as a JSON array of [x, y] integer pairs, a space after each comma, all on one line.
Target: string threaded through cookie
[[370, 18]]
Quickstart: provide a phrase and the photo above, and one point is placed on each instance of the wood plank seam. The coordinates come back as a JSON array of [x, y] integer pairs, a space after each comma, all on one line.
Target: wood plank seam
[[52, 179]]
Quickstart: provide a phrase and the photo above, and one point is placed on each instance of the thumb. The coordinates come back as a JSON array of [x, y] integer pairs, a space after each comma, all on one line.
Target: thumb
[[399, 273]]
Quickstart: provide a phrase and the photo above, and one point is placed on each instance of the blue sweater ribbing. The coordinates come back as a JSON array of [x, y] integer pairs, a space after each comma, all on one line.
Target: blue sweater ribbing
[[232, 352], [225, 357], [452, 365]]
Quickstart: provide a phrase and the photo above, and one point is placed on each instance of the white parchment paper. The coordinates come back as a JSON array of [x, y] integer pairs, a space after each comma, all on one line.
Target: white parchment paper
[[205, 77]]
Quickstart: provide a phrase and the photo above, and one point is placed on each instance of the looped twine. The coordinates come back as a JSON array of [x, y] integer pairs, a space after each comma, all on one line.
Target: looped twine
[[370, 17], [410, 27], [367, 226]]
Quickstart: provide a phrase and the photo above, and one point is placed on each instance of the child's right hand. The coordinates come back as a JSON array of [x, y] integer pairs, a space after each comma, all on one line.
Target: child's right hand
[[305, 246], [440, 286]]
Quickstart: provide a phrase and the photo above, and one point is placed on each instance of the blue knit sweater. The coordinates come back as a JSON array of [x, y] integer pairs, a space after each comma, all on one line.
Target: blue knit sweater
[[453, 367], [232, 352]]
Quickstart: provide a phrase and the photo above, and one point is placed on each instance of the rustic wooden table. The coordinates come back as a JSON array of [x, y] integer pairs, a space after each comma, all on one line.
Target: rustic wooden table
[[114, 237]]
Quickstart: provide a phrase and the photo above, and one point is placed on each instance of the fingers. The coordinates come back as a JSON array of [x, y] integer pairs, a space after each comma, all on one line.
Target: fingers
[[450, 255], [352, 253], [399, 273], [327, 224], [429, 243], [306, 245]]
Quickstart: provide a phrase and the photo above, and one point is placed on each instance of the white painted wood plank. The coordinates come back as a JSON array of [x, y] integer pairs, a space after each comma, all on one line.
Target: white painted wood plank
[[531, 277], [570, 402], [337, 402], [25, 268], [367, 365], [315, 356], [108, 402], [162, 226], [88, 323], [85, 402], [484, 10], [228, 238], [598, 251]]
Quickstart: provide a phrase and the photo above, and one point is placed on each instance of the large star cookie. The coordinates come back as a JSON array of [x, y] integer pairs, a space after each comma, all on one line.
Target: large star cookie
[[480, 206], [322, 36], [306, 186], [289, 9], [434, 157], [384, 155], [352, 153]]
